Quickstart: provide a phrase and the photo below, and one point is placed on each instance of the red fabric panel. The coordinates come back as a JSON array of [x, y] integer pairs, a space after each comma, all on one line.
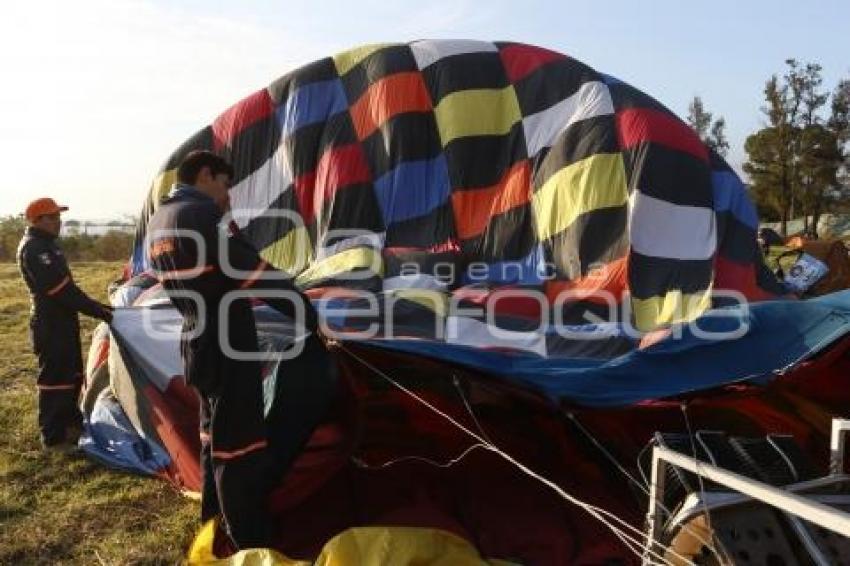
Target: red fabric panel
[[239, 116], [473, 208], [638, 125], [481, 497], [174, 415], [304, 187], [338, 168], [528, 307], [741, 277], [392, 95], [522, 60]]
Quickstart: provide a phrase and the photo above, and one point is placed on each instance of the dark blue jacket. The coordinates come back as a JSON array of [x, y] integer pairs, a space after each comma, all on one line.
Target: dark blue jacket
[[55, 296]]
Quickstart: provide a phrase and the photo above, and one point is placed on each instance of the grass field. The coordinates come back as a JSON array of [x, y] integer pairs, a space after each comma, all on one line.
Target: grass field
[[57, 509]]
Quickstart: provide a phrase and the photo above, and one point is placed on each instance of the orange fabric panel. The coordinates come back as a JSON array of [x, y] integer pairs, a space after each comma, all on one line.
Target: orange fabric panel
[[473, 208], [611, 278], [392, 95]]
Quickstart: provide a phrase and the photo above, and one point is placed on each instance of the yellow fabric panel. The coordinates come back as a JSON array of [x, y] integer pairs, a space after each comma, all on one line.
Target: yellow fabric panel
[[201, 553], [161, 185], [361, 546], [292, 253], [477, 112], [596, 182], [347, 60], [436, 301], [377, 546], [348, 260], [672, 308]]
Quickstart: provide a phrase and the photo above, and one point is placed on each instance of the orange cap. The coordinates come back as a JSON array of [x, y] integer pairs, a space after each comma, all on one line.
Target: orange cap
[[42, 206]]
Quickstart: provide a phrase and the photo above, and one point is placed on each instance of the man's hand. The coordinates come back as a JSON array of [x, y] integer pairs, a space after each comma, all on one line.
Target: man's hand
[[105, 313], [329, 342]]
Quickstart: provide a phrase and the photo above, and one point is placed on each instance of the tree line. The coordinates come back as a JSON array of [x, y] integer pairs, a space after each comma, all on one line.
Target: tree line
[[798, 164], [114, 245]]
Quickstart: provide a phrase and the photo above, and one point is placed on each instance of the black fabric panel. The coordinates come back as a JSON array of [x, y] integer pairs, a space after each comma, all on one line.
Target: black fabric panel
[[264, 230], [583, 312], [737, 240], [355, 83], [508, 236], [424, 231], [411, 319], [307, 145], [408, 319], [412, 137], [654, 276], [600, 236], [579, 141], [482, 70], [626, 96], [321, 70], [481, 161], [602, 348], [202, 139], [398, 262], [551, 83], [669, 175], [361, 282], [353, 207], [717, 162], [252, 147], [382, 63]]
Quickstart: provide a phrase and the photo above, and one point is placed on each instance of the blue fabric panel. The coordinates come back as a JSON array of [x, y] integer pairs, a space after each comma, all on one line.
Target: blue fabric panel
[[530, 270], [137, 261], [730, 194], [609, 80], [311, 103], [412, 189]]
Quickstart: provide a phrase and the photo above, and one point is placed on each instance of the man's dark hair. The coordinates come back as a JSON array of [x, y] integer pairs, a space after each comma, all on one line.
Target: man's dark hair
[[196, 160]]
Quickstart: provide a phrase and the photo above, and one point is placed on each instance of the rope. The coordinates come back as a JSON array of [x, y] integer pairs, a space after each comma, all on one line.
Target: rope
[[684, 407], [642, 486], [634, 543]]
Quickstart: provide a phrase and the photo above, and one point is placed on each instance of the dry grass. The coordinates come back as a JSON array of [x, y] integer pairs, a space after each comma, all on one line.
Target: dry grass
[[57, 509]]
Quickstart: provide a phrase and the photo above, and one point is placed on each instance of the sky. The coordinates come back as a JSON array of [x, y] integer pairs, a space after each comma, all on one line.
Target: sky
[[95, 94]]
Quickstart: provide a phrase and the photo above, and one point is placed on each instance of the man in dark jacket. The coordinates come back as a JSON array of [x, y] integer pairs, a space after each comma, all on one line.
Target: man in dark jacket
[[54, 325], [244, 454]]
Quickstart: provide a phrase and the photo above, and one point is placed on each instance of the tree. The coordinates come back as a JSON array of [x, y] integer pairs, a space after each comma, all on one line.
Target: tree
[[711, 133], [770, 152], [793, 160], [839, 125], [818, 164], [11, 230], [767, 173]]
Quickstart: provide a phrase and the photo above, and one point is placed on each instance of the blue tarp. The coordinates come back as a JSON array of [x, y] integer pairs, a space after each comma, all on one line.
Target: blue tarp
[[109, 437], [778, 335]]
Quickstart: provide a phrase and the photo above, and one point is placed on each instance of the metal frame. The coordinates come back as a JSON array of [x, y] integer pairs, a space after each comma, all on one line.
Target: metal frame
[[785, 500], [837, 441]]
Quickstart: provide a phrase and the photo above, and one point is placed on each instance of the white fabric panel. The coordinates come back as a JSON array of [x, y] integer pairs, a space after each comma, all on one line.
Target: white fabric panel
[[415, 281], [541, 129], [659, 228], [365, 239], [470, 332], [430, 51], [253, 195], [125, 295], [153, 337]]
